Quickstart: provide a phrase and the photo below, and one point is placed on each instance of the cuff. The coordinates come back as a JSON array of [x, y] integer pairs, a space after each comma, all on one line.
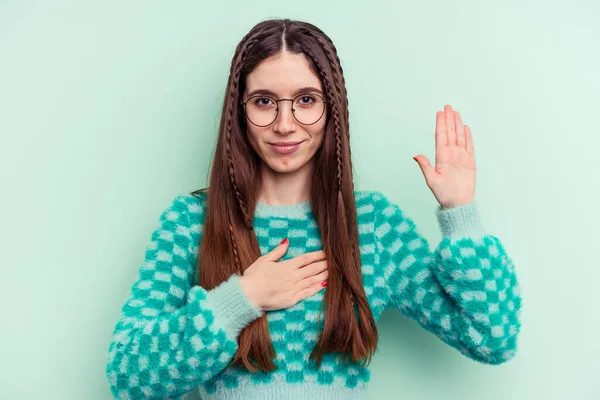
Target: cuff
[[460, 221], [231, 307]]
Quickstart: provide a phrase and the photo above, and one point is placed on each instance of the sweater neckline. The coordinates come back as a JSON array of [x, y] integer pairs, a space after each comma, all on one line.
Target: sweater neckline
[[288, 210]]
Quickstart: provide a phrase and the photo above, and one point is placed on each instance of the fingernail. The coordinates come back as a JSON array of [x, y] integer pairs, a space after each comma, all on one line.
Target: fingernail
[[284, 241], [324, 283]]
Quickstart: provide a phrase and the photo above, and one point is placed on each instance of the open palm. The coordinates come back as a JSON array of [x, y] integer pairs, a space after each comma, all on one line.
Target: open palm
[[452, 181]]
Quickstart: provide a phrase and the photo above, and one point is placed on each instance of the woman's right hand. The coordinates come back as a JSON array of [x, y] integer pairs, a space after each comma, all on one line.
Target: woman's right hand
[[273, 285]]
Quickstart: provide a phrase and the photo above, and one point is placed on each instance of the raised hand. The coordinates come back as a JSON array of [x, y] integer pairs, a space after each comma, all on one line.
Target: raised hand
[[452, 181]]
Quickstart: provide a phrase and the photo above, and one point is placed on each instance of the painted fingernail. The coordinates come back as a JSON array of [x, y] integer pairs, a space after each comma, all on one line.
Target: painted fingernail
[[284, 241], [324, 283]]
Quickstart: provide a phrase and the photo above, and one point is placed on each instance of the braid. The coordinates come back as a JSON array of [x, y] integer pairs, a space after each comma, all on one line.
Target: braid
[[336, 118], [234, 80], [334, 61], [236, 68], [340, 86], [339, 76], [338, 147], [236, 254]]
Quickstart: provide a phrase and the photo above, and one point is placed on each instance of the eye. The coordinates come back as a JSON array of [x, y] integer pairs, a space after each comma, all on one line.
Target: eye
[[306, 100], [262, 101]]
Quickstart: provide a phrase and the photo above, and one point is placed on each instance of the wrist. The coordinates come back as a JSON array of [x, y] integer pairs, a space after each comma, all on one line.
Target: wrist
[[249, 291]]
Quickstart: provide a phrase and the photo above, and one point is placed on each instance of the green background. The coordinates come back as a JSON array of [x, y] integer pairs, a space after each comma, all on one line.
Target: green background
[[109, 109]]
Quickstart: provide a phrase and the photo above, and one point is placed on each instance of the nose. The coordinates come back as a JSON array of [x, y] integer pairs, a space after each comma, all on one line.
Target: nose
[[285, 123]]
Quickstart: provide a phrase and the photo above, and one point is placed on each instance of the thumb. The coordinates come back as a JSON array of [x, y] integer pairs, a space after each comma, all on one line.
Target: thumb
[[425, 165], [278, 251]]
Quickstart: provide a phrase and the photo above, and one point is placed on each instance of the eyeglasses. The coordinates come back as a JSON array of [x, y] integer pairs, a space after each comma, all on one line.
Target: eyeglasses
[[262, 110]]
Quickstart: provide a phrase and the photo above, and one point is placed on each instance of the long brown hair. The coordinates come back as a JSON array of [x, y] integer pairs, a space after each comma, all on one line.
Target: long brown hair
[[229, 244]]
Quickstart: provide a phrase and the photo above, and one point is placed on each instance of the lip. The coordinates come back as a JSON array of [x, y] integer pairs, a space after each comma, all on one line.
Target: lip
[[285, 147], [285, 143]]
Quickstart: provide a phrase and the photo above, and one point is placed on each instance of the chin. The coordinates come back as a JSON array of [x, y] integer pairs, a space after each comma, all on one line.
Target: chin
[[285, 168]]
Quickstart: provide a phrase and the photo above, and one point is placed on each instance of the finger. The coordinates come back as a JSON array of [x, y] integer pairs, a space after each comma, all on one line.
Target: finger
[[304, 293], [278, 251], [305, 259], [460, 131], [311, 269], [450, 127], [313, 280], [440, 130], [469, 141]]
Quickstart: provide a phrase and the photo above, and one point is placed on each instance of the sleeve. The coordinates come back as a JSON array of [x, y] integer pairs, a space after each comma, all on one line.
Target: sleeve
[[466, 292], [172, 335]]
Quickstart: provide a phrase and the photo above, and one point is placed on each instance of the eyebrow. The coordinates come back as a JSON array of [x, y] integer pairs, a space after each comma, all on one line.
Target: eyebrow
[[297, 92]]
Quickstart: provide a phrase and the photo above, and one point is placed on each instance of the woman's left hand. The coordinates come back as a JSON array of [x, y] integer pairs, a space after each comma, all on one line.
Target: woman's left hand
[[452, 181]]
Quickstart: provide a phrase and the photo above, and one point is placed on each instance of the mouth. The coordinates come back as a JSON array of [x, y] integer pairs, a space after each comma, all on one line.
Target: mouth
[[285, 147]]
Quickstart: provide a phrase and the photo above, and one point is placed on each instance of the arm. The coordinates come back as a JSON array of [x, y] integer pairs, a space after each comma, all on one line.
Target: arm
[[173, 335], [466, 292]]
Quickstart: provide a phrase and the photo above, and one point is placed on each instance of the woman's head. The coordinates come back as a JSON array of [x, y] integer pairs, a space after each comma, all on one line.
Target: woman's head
[[285, 140], [281, 57]]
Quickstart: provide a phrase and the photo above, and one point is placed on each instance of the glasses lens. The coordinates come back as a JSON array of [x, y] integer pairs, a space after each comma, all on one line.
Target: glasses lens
[[261, 110], [308, 108]]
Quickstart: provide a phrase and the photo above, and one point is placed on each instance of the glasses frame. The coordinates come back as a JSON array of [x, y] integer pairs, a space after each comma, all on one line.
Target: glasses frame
[[325, 101]]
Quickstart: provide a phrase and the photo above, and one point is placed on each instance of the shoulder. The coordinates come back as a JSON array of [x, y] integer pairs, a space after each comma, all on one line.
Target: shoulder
[[381, 214], [193, 202], [374, 202], [186, 208]]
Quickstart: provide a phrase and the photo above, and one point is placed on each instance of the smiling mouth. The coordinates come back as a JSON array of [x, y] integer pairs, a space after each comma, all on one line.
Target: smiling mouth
[[285, 147], [286, 143]]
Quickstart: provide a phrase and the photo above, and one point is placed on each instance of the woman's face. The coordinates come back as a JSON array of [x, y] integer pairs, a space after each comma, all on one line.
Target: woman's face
[[282, 77]]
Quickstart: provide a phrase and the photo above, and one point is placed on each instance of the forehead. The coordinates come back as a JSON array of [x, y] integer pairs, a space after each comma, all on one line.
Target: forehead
[[283, 74]]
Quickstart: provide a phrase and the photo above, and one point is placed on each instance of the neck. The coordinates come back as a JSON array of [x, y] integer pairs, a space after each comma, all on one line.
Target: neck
[[280, 189]]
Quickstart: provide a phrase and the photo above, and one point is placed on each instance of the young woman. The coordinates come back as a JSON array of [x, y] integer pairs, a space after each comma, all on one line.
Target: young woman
[[268, 284]]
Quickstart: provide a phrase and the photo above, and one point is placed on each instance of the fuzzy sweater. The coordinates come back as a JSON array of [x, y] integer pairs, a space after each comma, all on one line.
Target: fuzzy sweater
[[174, 336]]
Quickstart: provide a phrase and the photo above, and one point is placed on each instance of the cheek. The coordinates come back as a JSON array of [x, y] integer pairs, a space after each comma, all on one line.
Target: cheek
[[318, 133], [253, 136], [319, 138]]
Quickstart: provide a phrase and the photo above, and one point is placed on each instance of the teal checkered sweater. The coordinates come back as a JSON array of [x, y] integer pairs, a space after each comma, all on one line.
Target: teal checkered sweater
[[173, 336]]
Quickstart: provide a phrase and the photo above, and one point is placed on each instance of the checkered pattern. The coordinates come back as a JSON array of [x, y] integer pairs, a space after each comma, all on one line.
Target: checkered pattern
[[174, 336], [466, 292]]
